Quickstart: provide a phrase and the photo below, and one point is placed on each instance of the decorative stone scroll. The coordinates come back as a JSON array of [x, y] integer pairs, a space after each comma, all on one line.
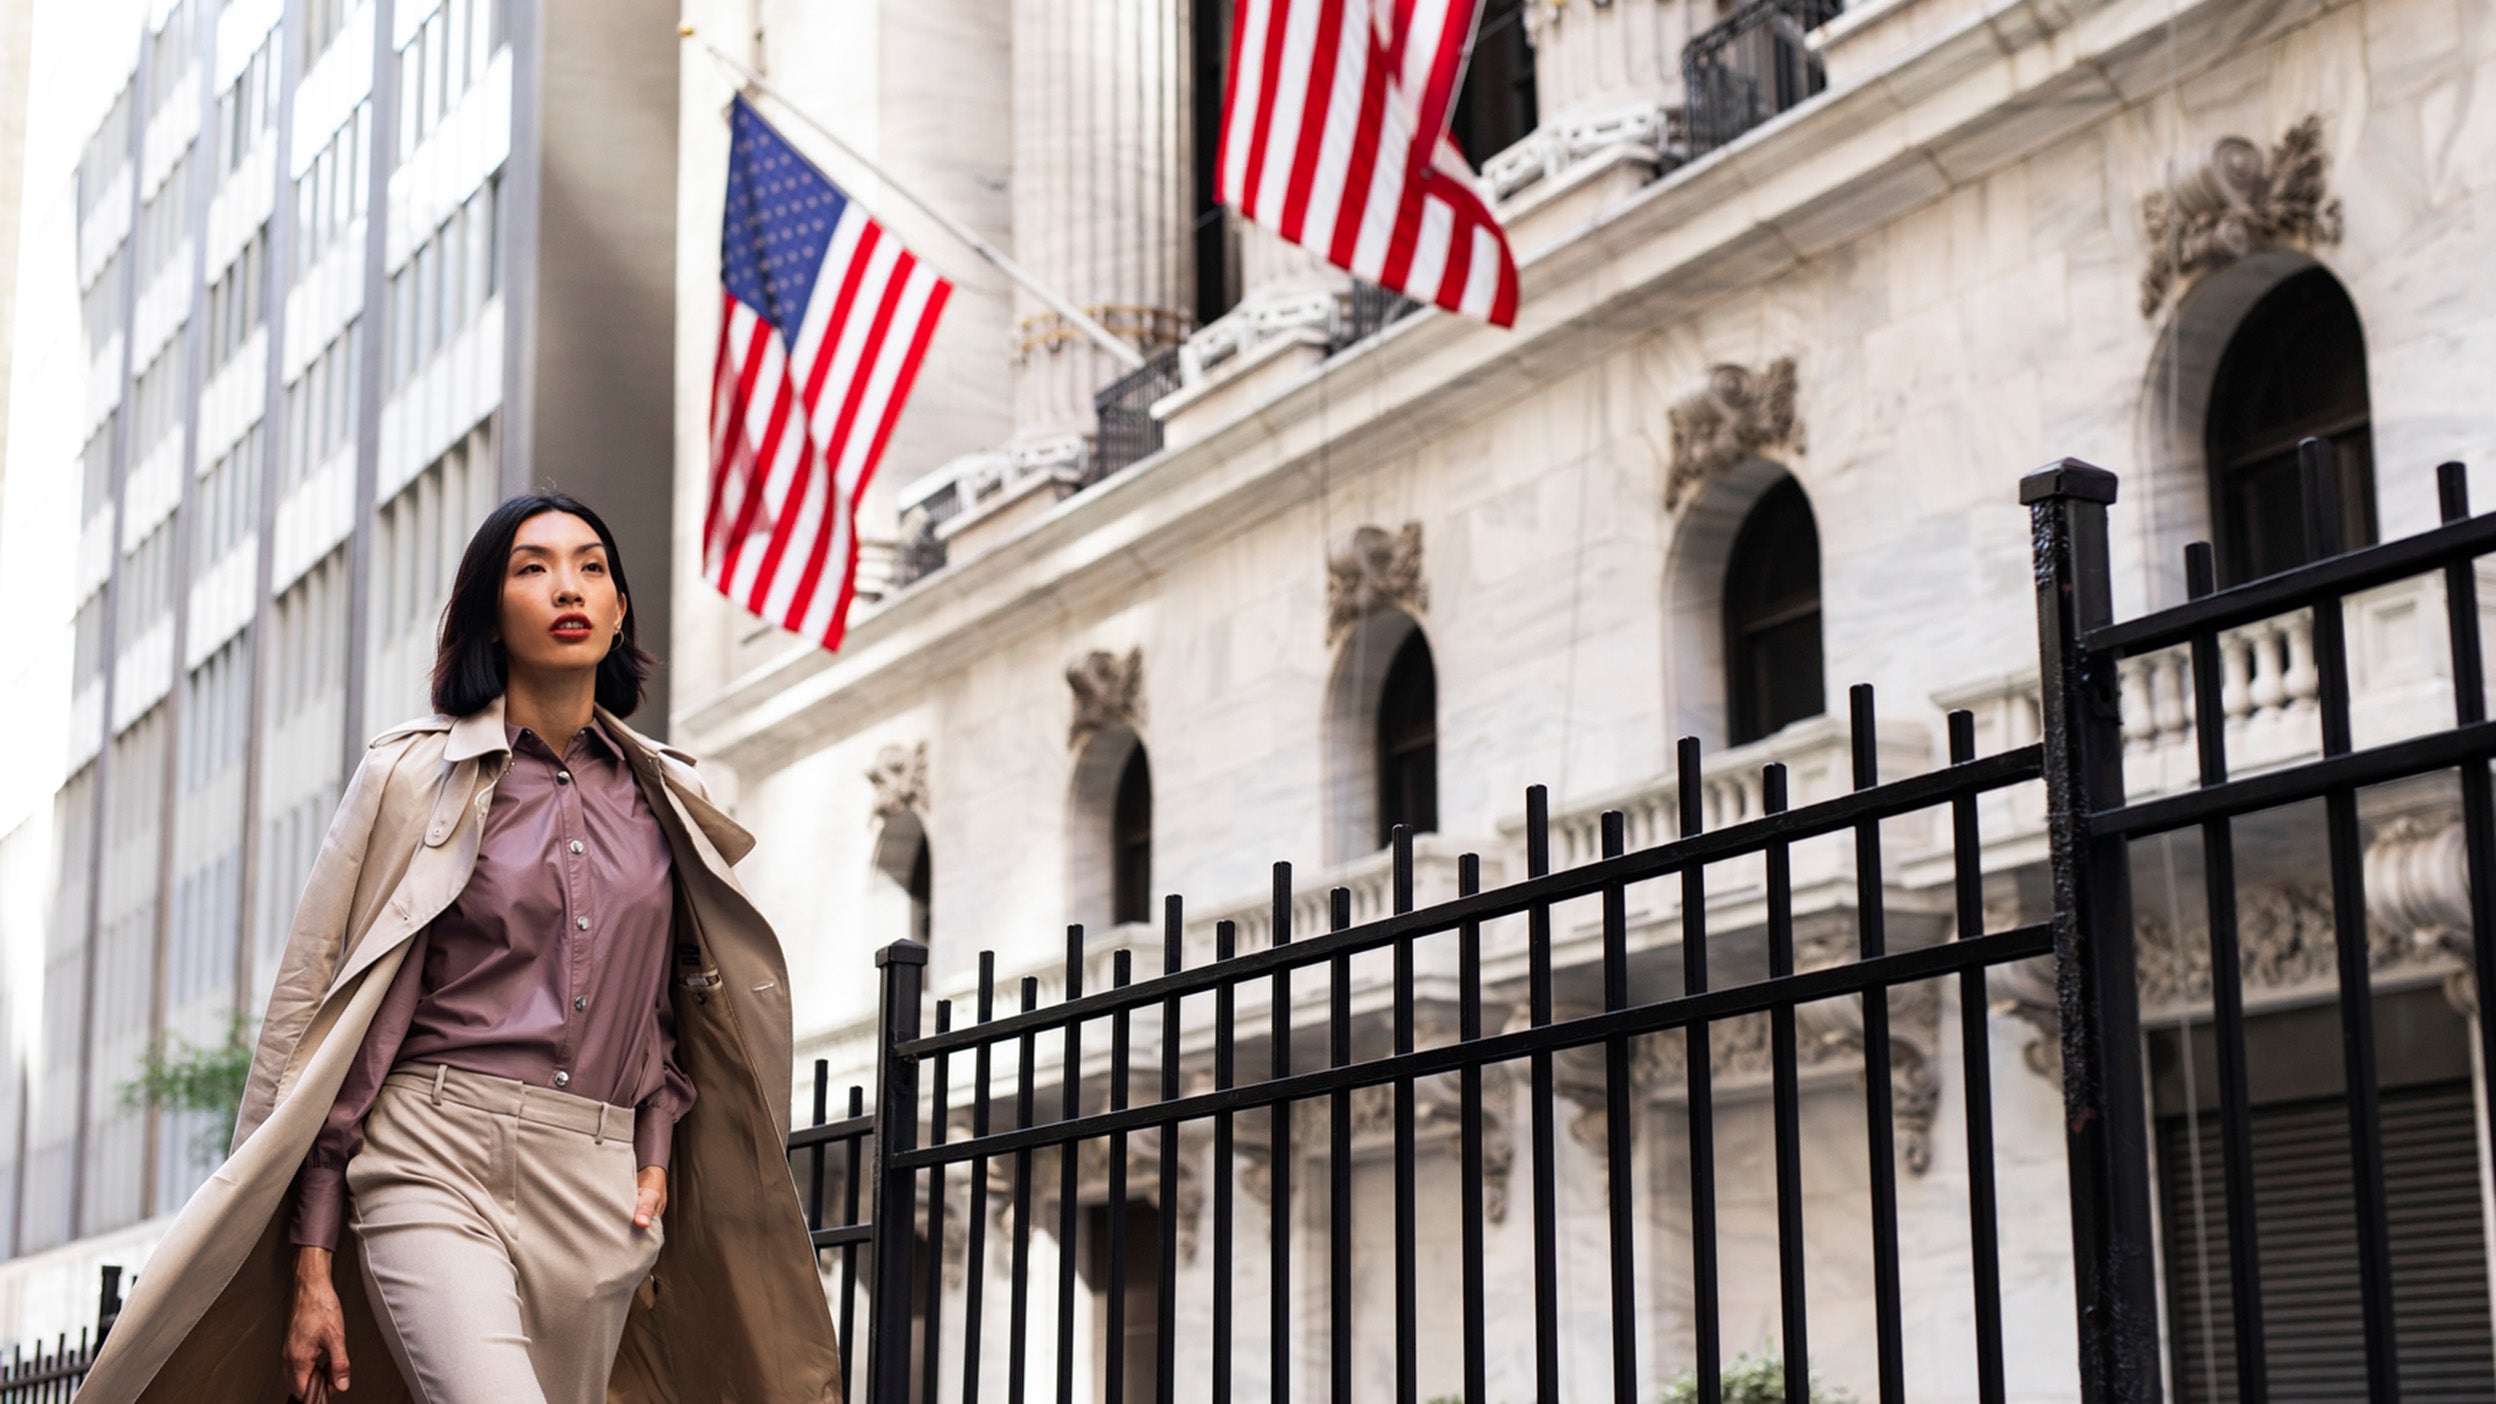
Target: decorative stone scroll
[[1438, 1106], [2229, 201], [1735, 416], [1109, 691], [900, 779], [1827, 1033], [1376, 571]]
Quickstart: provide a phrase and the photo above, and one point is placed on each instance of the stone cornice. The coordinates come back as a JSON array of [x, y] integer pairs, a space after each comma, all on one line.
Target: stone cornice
[[2004, 84]]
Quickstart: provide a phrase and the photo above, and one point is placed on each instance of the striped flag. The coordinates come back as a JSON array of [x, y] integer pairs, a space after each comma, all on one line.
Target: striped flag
[[824, 320], [1334, 135]]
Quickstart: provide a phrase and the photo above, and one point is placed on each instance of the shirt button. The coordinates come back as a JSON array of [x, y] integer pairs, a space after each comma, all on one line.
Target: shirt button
[[576, 845], [563, 777], [581, 922], [561, 1078], [580, 1001]]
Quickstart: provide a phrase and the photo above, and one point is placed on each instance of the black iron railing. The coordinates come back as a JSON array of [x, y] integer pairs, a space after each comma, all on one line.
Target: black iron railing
[[53, 1374], [1369, 310], [1750, 68], [1126, 431]]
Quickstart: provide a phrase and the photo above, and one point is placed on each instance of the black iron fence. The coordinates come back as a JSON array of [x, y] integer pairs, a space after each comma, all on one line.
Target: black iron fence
[[1750, 68], [1105, 1081], [51, 1375]]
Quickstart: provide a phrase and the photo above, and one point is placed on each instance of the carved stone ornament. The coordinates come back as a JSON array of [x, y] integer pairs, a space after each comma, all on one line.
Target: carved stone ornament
[[1109, 691], [2228, 201], [1827, 1033], [900, 779], [1376, 571], [1438, 1106], [2418, 891], [1736, 415]]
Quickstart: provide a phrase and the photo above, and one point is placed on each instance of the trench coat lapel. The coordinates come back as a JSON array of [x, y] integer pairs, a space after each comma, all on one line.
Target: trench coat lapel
[[734, 1313]]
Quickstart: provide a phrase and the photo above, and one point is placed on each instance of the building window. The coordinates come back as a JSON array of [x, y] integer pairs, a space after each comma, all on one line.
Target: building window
[[1136, 1350], [1495, 109], [1772, 617], [1408, 742], [2295, 367], [1131, 842]]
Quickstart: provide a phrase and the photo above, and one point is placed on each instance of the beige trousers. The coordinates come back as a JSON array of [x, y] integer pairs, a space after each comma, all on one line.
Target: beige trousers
[[500, 1253]]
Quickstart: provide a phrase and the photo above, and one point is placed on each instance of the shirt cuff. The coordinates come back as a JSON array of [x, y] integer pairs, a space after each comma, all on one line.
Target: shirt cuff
[[318, 1202], [654, 1136]]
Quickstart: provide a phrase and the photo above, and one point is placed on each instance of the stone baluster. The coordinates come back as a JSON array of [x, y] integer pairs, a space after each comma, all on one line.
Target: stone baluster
[[1100, 199], [2236, 677], [2269, 688], [2302, 681]]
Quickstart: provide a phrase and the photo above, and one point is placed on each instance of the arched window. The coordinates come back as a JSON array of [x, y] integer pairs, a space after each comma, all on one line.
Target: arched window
[[1408, 742], [1772, 617], [1131, 842], [2296, 366]]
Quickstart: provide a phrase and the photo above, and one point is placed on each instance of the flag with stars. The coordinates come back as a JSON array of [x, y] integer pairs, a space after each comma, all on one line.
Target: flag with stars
[[824, 320]]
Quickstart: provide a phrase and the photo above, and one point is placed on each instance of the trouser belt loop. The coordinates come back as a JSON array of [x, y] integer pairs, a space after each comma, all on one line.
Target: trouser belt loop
[[601, 1138], [440, 1071]]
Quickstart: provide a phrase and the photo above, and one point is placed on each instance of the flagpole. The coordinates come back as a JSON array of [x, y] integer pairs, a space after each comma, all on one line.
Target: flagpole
[[1118, 350]]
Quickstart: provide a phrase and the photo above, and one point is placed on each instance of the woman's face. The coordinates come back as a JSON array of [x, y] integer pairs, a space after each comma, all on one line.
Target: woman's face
[[561, 611]]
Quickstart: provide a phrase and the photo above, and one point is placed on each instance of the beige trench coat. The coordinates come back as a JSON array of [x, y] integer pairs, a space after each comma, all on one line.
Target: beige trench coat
[[733, 1312]]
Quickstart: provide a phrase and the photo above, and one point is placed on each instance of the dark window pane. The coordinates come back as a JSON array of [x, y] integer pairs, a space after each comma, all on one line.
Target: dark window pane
[[922, 887], [1495, 109], [1408, 742], [1772, 617], [1131, 842], [2295, 367]]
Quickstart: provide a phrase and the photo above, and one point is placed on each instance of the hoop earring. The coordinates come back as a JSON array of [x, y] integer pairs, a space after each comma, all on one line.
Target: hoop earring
[[615, 640]]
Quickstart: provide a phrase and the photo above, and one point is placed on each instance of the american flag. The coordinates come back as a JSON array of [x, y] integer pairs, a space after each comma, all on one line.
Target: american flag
[[824, 320], [1334, 135]]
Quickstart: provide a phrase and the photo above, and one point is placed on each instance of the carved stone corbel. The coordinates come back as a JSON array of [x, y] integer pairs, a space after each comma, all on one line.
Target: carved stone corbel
[[900, 779], [2025, 990], [1109, 691], [1374, 571], [2418, 891], [2229, 201], [1834, 1028], [1736, 415]]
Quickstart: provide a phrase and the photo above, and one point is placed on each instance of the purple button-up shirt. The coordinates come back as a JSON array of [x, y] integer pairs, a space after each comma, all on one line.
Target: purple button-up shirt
[[551, 967]]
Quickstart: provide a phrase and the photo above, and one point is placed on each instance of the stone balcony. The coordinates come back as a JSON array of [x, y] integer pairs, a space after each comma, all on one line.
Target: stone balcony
[[2400, 685]]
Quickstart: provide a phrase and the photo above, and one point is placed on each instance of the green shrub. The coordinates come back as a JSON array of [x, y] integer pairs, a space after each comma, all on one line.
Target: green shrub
[[1750, 1379], [189, 1078]]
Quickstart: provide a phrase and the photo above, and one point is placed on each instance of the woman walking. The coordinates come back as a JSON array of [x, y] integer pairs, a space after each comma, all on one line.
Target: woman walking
[[515, 1125]]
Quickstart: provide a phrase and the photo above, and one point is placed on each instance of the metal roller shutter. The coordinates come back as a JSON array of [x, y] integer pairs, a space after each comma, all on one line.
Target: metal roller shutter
[[2314, 1334]]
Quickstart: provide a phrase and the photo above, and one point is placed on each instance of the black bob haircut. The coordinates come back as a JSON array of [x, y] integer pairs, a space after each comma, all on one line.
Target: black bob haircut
[[469, 669]]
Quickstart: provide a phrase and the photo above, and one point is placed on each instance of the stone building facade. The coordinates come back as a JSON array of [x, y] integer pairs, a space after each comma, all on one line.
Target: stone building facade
[[1754, 438]]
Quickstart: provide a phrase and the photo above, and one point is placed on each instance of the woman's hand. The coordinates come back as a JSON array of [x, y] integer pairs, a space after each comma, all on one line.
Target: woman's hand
[[652, 1198], [315, 1328]]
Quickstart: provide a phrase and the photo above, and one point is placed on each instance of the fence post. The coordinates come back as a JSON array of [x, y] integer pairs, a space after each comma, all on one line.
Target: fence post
[[904, 964], [2105, 1117]]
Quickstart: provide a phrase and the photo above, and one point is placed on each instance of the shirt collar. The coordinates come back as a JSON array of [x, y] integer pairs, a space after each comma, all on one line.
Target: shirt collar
[[598, 738], [484, 731]]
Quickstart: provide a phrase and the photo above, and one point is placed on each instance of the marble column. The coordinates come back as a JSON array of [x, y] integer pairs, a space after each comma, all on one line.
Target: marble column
[[1597, 57], [1100, 200]]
